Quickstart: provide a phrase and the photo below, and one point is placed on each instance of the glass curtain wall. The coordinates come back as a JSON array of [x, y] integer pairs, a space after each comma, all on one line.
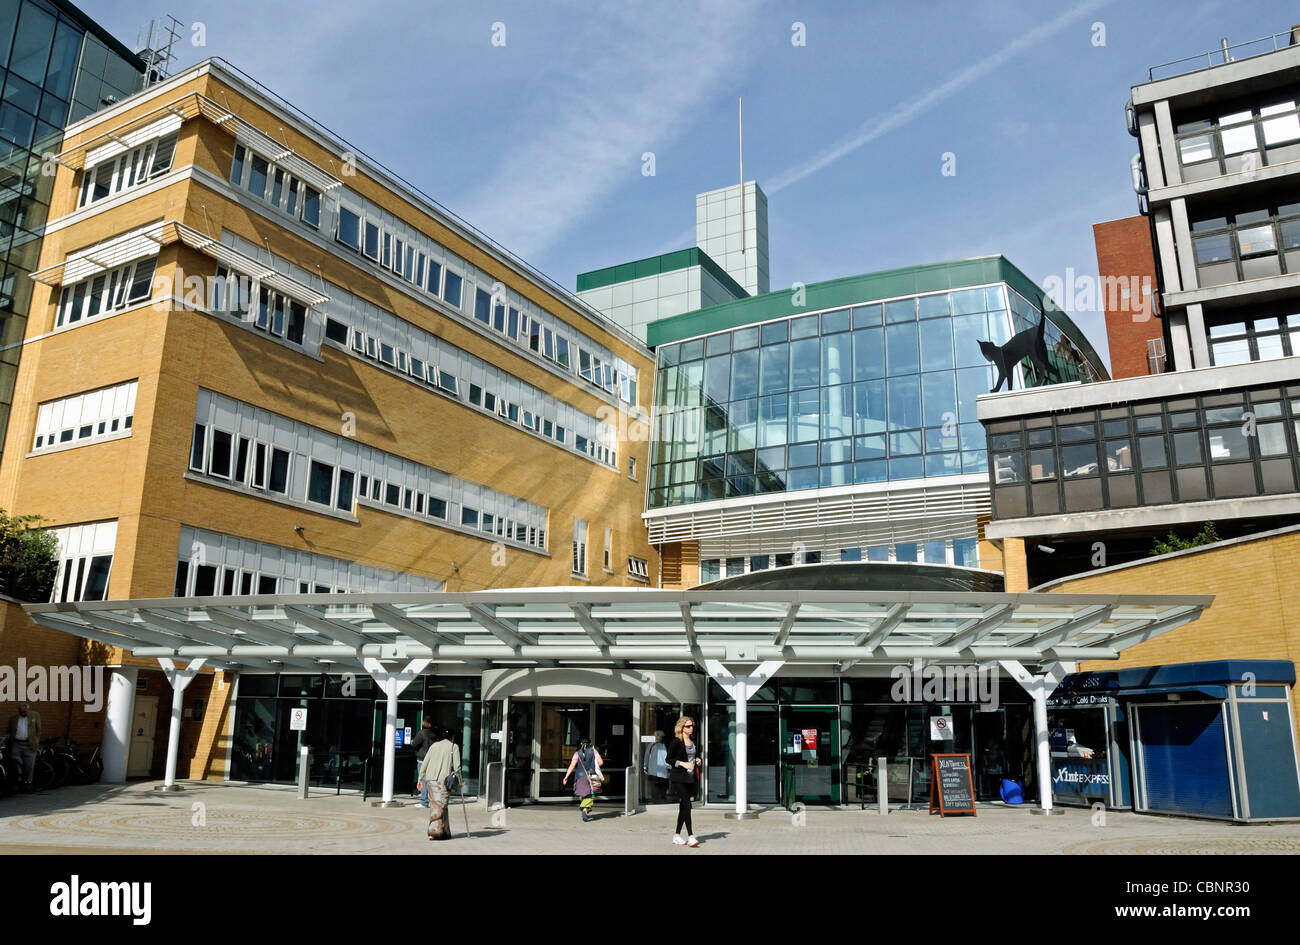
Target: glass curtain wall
[[861, 394], [51, 72], [345, 728]]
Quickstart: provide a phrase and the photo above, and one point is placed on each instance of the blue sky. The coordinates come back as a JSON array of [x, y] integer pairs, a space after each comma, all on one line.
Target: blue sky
[[539, 141]]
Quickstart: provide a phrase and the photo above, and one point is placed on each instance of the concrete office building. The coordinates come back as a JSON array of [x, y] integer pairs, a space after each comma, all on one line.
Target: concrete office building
[[56, 66], [731, 226], [1085, 480], [728, 262], [1220, 152], [1215, 440], [634, 294]]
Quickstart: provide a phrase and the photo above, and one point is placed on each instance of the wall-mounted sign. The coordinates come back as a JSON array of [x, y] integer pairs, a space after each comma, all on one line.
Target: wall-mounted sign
[[941, 728], [810, 739], [298, 720]]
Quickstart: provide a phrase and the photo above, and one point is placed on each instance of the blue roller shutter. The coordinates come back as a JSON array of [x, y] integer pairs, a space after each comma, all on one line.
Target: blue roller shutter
[[1185, 759]]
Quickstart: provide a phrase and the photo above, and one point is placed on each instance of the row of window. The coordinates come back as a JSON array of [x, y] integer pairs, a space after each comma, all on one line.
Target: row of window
[[210, 563], [489, 401], [137, 166], [1208, 142], [400, 257], [237, 443], [1247, 245], [1255, 339], [107, 292], [88, 417], [539, 338], [962, 552], [410, 261], [264, 180], [1189, 449], [273, 312]]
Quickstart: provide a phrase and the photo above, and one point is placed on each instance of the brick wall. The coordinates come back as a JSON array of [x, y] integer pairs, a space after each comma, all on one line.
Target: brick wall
[[1253, 617], [1124, 252]]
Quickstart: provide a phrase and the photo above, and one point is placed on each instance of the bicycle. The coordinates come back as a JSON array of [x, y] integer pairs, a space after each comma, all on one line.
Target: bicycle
[[42, 770], [62, 761]]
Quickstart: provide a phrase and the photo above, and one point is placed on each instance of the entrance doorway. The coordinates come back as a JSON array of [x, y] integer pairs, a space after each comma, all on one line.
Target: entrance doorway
[[139, 762], [810, 754], [543, 736]]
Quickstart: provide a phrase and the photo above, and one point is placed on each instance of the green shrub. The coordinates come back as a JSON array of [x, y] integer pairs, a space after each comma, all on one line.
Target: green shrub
[[1206, 536], [29, 558]]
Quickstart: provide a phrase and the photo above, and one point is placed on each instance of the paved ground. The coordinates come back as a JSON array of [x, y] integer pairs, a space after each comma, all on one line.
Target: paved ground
[[221, 818]]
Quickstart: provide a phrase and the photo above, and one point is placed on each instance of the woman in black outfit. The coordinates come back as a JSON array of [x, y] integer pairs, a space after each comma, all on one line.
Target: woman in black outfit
[[685, 758]]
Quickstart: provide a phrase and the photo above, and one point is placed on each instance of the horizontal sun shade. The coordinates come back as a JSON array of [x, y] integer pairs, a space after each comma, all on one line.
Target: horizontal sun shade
[[101, 257], [147, 241], [647, 626], [190, 106]]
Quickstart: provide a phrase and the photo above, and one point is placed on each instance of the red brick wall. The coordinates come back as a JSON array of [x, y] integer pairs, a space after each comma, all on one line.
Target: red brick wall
[[1124, 252]]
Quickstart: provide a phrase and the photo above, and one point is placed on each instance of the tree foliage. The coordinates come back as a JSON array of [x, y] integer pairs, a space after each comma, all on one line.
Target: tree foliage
[[1206, 536], [29, 558]]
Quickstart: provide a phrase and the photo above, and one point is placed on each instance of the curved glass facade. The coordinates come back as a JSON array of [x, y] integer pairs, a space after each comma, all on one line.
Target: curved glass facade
[[857, 394]]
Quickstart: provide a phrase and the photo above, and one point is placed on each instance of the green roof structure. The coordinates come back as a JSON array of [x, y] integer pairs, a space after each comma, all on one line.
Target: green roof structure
[[654, 265], [870, 287]]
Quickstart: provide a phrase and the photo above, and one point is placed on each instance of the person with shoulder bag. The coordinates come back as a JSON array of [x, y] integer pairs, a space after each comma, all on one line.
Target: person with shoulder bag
[[685, 761], [590, 780], [440, 772]]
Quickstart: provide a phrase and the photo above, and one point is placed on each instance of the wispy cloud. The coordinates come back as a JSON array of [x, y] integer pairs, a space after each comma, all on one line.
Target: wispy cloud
[[908, 111], [634, 87]]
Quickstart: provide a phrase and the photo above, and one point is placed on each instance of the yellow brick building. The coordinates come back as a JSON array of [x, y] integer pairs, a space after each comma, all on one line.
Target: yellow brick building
[[259, 362]]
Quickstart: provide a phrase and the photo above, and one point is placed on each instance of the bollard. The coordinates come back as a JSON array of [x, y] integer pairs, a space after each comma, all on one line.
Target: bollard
[[882, 787], [304, 769], [631, 791], [494, 798]]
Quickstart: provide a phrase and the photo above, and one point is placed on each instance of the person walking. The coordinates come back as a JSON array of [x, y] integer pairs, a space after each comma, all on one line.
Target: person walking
[[422, 742], [588, 759], [25, 740], [442, 759], [685, 760]]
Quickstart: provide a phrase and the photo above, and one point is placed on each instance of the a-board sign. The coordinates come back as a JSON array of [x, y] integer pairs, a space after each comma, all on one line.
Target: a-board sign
[[952, 791]]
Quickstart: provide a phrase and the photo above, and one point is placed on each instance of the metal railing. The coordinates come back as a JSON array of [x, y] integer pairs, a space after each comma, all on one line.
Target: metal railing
[[1226, 54]]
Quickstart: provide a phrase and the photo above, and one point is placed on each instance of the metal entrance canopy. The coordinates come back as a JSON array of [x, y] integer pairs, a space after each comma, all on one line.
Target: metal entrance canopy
[[739, 637], [630, 625]]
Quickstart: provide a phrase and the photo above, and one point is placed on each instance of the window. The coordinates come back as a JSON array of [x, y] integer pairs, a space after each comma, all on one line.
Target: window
[[106, 293], [579, 547], [137, 166], [349, 232], [85, 561], [609, 547], [320, 483], [371, 246], [637, 570], [84, 418], [257, 177], [451, 289]]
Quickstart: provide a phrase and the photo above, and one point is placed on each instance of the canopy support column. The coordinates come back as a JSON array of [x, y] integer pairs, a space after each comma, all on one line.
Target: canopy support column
[[740, 688], [179, 679], [117, 725], [1039, 689], [392, 685]]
